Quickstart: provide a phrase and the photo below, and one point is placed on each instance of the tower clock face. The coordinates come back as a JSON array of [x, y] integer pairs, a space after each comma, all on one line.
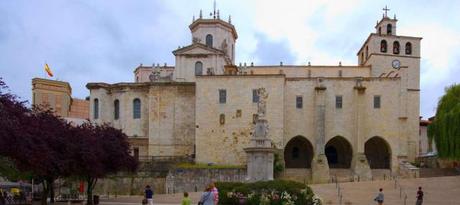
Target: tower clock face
[[396, 64]]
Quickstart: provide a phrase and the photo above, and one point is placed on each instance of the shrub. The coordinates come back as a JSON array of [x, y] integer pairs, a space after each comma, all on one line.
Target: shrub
[[277, 192]]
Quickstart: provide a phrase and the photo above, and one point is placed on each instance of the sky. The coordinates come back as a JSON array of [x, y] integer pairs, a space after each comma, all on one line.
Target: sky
[[104, 41]]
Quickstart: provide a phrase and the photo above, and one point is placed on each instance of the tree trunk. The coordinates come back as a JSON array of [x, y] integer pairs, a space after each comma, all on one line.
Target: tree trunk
[[51, 189], [89, 191], [45, 193]]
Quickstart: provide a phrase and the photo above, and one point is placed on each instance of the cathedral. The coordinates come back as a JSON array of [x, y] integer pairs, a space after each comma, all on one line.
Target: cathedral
[[361, 117]]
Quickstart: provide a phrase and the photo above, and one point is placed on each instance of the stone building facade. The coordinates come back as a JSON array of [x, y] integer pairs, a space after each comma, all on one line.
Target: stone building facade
[[359, 117], [57, 96]]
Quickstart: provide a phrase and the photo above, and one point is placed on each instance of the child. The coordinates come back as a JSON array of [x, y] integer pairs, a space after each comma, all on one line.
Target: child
[[186, 200]]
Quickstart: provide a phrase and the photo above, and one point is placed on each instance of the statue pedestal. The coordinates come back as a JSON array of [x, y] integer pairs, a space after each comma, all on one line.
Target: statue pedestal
[[320, 169], [360, 166], [260, 163]]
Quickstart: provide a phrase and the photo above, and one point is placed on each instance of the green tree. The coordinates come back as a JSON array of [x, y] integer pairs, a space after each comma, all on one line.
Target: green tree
[[445, 129]]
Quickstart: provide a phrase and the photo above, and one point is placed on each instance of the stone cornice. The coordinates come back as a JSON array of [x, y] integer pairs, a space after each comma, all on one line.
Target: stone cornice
[[136, 85]]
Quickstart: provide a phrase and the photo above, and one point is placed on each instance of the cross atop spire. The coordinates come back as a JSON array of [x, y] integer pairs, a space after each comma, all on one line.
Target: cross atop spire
[[386, 9], [214, 13]]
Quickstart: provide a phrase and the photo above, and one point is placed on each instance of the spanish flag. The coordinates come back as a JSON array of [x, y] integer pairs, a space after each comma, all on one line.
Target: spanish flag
[[48, 70]]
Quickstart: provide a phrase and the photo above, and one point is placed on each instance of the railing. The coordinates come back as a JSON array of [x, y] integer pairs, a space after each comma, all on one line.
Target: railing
[[402, 192], [339, 189]]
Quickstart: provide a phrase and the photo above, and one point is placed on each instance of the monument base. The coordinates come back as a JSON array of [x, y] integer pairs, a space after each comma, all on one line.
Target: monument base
[[361, 169], [320, 169]]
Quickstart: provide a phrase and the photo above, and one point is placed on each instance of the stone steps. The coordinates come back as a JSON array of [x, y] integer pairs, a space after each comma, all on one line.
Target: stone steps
[[297, 174]]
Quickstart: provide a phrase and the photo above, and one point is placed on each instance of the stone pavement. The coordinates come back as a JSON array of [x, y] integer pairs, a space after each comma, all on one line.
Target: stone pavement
[[438, 191]]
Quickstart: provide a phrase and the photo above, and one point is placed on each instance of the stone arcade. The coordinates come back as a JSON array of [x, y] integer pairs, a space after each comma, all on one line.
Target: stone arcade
[[360, 118]]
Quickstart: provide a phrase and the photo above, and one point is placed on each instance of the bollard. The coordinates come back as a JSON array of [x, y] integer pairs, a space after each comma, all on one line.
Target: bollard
[[340, 199], [400, 192], [405, 199]]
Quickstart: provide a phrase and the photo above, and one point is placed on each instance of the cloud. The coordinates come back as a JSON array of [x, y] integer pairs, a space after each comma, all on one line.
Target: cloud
[[89, 41]]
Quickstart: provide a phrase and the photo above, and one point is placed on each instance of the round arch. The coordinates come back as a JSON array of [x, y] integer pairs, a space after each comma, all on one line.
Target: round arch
[[298, 153], [378, 153], [339, 152]]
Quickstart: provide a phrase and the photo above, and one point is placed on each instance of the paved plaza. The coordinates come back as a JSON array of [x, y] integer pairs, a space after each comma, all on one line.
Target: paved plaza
[[438, 190]]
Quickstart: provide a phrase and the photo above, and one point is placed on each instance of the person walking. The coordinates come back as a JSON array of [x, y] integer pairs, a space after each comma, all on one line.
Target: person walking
[[207, 198], [215, 191], [2, 198], [186, 200], [149, 195], [419, 196], [379, 198]]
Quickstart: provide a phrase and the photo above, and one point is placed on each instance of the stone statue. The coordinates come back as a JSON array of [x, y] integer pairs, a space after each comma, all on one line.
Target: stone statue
[[262, 104]]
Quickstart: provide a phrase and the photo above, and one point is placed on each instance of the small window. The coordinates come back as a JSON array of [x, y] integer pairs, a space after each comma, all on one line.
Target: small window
[[383, 46], [199, 68], [255, 96], [222, 119], [376, 101], [254, 118], [367, 52], [408, 48], [116, 109], [222, 96], [239, 113], [299, 102], [136, 108], [96, 108], [338, 102], [396, 47], [380, 30], [209, 40], [389, 29], [340, 73]]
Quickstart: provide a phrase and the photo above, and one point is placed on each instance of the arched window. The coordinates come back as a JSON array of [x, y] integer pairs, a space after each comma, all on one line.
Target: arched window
[[209, 40], [136, 108], [396, 47], [198, 68], [380, 30], [116, 109], [389, 27], [222, 119], [383, 46], [408, 48], [96, 108], [367, 52]]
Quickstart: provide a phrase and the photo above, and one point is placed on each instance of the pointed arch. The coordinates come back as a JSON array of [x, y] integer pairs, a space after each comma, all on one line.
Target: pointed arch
[[378, 153], [298, 153], [339, 152]]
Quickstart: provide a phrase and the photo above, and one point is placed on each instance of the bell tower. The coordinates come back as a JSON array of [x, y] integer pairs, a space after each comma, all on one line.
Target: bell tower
[[393, 56], [390, 54]]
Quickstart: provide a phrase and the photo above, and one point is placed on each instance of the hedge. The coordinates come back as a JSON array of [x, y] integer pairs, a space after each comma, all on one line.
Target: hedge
[[277, 192]]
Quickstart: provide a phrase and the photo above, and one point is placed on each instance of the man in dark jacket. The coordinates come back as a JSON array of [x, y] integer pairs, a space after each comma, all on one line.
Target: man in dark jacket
[[149, 195]]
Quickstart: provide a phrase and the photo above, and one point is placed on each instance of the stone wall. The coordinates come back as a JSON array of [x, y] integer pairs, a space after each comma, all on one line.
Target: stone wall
[[224, 143], [193, 180], [129, 185], [167, 119]]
